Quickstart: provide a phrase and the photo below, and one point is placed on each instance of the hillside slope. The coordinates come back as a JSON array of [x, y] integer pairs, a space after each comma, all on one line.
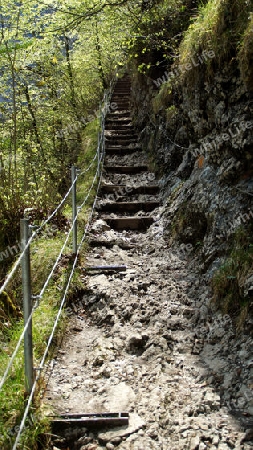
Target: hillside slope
[[195, 117]]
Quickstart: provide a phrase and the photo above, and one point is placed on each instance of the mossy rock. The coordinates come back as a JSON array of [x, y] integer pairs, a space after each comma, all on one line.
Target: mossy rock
[[7, 305], [190, 224]]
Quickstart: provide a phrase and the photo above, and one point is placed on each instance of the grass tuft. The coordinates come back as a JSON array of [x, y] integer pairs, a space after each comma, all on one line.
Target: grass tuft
[[228, 282], [245, 55], [218, 29]]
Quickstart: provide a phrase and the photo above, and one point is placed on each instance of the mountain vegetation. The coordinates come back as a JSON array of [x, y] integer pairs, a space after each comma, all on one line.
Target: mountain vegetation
[[57, 57]]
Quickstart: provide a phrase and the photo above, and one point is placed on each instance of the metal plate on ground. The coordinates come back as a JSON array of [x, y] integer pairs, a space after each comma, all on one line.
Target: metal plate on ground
[[96, 420]]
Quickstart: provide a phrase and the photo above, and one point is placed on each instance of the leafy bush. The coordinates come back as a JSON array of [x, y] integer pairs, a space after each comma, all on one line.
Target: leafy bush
[[228, 281]]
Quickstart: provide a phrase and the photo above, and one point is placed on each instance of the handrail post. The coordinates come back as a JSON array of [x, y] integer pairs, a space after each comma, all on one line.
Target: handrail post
[[74, 208], [99, 153], [27, 305]]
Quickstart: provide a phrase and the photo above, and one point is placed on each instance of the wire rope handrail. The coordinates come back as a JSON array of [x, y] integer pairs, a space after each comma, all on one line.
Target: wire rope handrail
[[99, 155]]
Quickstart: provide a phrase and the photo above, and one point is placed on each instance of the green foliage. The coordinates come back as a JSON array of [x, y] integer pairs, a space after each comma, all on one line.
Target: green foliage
[[217, 29], [52, 80], [163, 98], [171, 114], [7, 306], [43, 256], [228, 281], [155, 38], [246, 54], [44, 252]]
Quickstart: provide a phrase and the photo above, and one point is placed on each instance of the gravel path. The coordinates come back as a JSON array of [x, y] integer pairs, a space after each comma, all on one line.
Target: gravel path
[[145, 341]]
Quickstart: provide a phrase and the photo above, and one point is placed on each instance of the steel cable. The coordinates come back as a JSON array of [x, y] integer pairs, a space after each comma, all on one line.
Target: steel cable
[[42, 363]]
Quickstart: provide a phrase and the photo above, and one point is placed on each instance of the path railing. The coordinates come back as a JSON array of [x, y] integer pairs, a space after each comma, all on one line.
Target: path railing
[[28, 235]]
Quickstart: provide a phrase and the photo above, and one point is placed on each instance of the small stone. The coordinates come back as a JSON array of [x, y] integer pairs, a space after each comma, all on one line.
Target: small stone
[[77, 328], [106, 372], [89, 447], [215, 440], [223, 446], [248, 436], [194, 444], [202, 446], [135, 342], [110, 446], [116, 440]]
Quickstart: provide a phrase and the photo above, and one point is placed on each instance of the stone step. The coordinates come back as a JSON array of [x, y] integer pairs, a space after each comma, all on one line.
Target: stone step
[[121, 96], [110, 243], [129, 223], [117, 117], [125, 137], [120, 121], [120, 93], [118, 132], [119, 128], [115, 142], [133, 190], [119, 114], [120, 105], [123, 82], [120, 151], [126, 169], [128, 207], [120, 99], [123, 90]]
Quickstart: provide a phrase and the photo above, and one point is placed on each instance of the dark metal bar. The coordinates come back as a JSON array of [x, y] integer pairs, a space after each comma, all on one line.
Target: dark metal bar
[[74, 209], [91, 420], [104, 268]]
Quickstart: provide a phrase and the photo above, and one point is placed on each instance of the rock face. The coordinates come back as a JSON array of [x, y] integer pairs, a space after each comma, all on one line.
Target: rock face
[[201, 137]]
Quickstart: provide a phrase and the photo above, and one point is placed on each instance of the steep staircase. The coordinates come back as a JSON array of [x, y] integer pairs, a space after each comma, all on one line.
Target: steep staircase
[[129, 193]]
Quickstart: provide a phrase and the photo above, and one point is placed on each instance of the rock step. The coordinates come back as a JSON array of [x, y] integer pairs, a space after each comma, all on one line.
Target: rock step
[[114, 127], [122, 190], [123, 121], [119, 132], [126, 169], [121, 106], [129, 223], [117, 142], [122, 101], [128, 207], [122, 91], [121, 138], [121, 151], [126, 87], [121, 97], [118, 114], [110, 243]]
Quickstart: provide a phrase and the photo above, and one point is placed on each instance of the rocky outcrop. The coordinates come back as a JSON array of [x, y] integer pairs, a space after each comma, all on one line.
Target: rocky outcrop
[[200, 135]]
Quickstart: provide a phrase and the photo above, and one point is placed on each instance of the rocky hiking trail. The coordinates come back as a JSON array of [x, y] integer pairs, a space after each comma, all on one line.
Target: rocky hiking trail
[[144, 339]]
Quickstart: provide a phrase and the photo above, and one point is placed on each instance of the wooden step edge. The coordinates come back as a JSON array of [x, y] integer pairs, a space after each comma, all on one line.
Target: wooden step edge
[[129, 223], [126, 169]]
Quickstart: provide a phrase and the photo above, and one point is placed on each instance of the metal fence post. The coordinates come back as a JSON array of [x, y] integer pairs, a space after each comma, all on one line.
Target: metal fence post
[[99, 154], [74, 208], [27, 305]]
